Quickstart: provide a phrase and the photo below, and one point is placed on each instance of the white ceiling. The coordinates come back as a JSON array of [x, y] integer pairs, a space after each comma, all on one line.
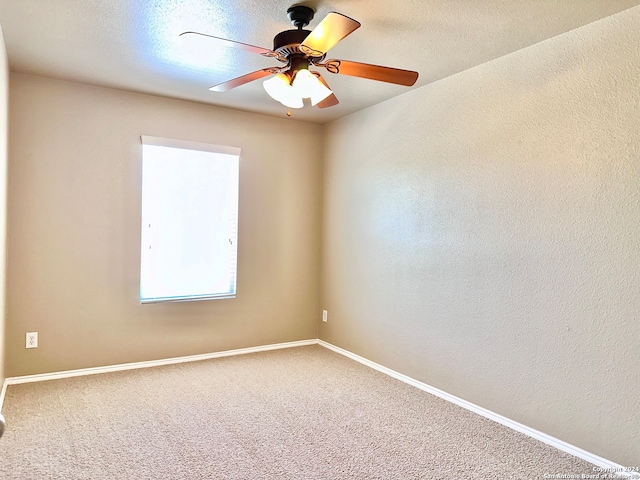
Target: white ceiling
[[134, 44]]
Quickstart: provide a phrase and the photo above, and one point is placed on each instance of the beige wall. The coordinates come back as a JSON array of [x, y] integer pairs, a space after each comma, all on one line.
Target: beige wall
[[74, 229], [4, 94], [481, 235]]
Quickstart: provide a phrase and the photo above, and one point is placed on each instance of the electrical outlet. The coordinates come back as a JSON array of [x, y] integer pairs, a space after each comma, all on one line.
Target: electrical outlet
[[32, 340], [324, 315]]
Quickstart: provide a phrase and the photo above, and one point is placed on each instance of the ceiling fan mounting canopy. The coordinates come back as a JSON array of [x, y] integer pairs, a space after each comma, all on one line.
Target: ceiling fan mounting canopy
[[299, 49], [300, 15]]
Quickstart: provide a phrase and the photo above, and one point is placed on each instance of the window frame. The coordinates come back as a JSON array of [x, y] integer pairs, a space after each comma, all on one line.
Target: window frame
[[200, 147]]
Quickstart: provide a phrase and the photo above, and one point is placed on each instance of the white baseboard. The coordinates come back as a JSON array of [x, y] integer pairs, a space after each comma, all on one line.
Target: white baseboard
[[607, 465], [2, 393], [153, 363]]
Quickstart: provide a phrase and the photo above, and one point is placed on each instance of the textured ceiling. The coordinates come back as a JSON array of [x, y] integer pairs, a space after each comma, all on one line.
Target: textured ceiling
[[135, 45]]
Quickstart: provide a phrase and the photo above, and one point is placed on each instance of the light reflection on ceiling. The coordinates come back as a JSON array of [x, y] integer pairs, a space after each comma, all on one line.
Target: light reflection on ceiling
[[159, 42]]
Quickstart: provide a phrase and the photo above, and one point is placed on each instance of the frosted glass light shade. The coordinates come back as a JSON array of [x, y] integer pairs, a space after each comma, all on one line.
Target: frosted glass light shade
[[320, 92], [305, 85], [277, 86], [308, 86], [292, 101], [279, 89]]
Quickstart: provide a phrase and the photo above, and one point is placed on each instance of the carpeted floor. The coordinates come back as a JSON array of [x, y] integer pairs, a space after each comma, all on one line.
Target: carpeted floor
[[298, 413]]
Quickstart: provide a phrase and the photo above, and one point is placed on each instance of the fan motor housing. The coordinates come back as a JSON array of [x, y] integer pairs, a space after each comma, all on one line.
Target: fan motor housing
[[286, 43]]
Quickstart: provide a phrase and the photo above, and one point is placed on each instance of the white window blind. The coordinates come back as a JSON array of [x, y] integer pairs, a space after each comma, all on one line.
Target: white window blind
[[189, 220]]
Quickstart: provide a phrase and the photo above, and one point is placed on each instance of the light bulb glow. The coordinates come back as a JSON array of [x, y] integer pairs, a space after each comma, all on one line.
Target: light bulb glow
[[309, 86], [305, 85], [279, 88]]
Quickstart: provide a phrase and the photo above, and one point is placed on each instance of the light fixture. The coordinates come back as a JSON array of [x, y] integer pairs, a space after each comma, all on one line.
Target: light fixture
[[309, 86], [291, 94], [279, 88]]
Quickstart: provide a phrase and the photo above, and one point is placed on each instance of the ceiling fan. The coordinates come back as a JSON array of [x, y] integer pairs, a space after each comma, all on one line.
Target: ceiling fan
[[300, 49]]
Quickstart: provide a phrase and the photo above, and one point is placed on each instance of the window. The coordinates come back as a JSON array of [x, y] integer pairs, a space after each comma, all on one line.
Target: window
[[189, 220]]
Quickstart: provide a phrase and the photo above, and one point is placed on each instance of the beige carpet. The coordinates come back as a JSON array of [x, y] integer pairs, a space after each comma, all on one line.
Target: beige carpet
[[299, 413]]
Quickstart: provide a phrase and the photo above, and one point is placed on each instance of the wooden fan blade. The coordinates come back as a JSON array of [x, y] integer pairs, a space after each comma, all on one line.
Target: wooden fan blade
[[223, 42], [374, 72], [331, 100], [333, 28], [236, 82]]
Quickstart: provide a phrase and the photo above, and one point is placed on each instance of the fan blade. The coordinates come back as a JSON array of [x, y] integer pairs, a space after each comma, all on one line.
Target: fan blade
[[373, 72], [236, 82], [223, 42], [331, 100], [333, 28]]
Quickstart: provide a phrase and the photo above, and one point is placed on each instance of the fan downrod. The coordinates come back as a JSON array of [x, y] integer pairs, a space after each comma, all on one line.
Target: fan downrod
[[300, 15]]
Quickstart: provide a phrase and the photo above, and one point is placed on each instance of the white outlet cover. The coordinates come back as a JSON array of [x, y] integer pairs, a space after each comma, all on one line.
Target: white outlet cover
[[32, 340], [324, 315]]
